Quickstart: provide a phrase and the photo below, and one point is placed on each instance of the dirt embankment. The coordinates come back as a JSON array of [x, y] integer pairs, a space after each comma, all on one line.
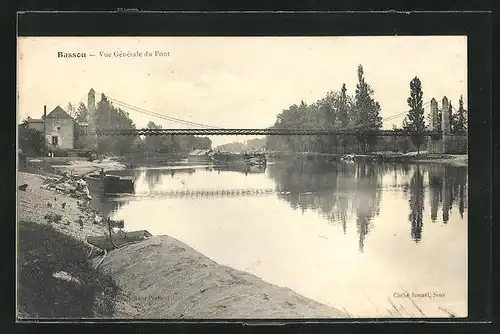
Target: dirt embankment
[[157, 278], [169, 279]]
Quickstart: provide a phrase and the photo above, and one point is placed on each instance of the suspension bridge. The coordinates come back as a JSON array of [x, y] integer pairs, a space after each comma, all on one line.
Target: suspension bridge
[[438, 137]]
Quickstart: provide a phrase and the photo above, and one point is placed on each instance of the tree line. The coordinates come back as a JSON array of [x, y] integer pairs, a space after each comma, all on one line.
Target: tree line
[[249, 145], [110, 117], [338, 110], [107, 116]]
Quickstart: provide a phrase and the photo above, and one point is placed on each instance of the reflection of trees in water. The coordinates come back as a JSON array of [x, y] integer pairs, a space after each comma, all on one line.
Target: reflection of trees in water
[[152, 177], [338, 191], [447, 186], [335, 191], [367, 198], [416, 201]]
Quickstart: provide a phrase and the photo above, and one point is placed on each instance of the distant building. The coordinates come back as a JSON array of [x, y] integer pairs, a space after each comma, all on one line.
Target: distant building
[[63, 132]]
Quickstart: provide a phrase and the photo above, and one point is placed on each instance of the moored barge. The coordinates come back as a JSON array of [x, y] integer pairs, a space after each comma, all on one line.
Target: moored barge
[[239, 159], [110, 184]]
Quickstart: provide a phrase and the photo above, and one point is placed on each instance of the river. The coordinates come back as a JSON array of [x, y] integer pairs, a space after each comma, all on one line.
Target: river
[[374, 239]]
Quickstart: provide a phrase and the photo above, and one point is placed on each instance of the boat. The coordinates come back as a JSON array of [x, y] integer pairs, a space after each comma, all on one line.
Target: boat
[[239, 159], [110, 184], [118, 239]]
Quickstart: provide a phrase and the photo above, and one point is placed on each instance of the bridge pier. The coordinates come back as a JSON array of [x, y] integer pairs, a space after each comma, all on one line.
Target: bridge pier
[[433, 143]]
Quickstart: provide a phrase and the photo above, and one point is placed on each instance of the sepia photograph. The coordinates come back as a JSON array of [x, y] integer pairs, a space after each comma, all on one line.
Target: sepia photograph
[[242, 177]]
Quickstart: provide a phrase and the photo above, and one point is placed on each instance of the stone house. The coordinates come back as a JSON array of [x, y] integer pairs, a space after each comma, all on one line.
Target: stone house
[[60, 129], [62, 132]]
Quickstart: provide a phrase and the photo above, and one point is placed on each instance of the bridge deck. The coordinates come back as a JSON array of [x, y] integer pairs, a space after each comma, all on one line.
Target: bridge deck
[[264, 132]]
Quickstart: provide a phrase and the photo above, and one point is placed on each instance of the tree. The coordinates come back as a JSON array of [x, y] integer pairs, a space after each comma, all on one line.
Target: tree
[[153, 143], [415, 117], [81, 114], [461, 118], [343, 111], [367, 110], [109, 117], [32, 142], [173, 144], [71, 109], [336, 110], [343, 108]]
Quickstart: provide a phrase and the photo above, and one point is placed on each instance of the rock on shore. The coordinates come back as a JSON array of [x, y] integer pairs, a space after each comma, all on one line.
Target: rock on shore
[[35, 203]]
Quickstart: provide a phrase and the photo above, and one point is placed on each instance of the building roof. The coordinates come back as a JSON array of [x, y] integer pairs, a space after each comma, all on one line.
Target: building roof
[[35, 120], [59, 112]]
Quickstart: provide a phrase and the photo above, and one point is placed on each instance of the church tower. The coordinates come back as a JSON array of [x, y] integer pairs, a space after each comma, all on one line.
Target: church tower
[[91, 119]]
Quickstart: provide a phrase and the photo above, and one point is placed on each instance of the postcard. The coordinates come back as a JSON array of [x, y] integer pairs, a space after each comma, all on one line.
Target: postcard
[[242, 177]]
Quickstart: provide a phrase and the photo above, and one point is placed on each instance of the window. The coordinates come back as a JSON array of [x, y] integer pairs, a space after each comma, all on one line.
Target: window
[[54, 140]]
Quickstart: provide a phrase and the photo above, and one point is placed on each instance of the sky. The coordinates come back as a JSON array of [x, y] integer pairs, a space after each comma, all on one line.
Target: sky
[[235, 82]]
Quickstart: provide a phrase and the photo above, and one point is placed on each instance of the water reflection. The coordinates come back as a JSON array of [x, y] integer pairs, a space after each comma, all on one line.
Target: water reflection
[[340, 191], [416, 204], [335, 191], [402, 225], [448, 186], [155, 176]]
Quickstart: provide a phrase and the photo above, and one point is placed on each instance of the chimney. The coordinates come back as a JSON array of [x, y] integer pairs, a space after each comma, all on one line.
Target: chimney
[[44, 111]]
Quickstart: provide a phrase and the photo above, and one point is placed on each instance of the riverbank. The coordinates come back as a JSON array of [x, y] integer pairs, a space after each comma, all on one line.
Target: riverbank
[[458, 160], [75, 166], [170, 279], [156, 278], [55, 279]]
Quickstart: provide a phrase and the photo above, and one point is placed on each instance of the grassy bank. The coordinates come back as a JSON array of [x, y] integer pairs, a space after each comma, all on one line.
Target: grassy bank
[[55, 279]]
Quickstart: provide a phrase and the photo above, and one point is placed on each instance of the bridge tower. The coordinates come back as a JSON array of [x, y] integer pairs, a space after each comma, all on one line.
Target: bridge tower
[[440, 145], [433, 144], [91, 118]]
